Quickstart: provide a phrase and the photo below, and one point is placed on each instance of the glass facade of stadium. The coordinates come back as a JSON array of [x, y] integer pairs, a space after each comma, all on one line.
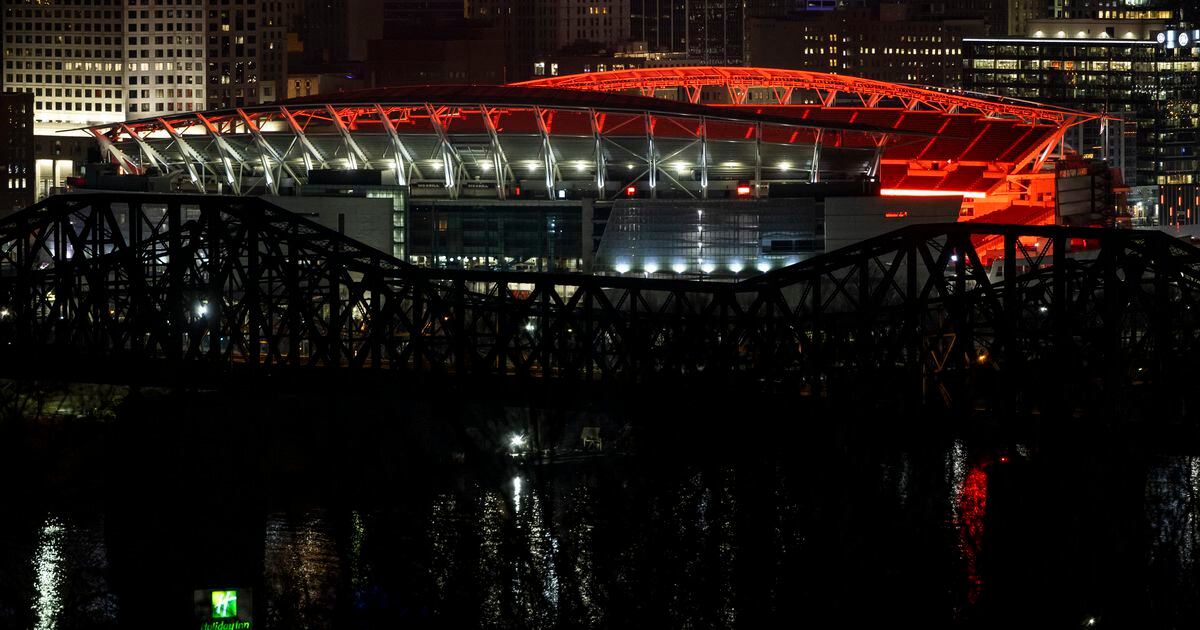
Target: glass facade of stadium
[[690, 171]]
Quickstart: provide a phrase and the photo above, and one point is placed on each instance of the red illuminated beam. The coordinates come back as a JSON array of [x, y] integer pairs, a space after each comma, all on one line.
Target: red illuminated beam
[[737, 81], [903, 192]]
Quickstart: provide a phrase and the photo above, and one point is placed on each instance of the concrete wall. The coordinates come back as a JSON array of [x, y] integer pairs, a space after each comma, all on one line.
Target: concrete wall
[[367, 220], [849, 220]]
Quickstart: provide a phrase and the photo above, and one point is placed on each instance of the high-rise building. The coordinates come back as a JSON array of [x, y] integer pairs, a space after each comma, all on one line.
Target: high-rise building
[[705, 31], [73, 59], [105, 61], [16, 152], [529, 29], [1117, 9], [401, 16], [164, 53], [883, 43], [247, 52], [1020, 12], [1145, 74], [604, 22], [321, 31]]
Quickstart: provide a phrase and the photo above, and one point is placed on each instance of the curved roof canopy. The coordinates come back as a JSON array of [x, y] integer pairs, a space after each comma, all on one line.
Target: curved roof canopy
[[738, 81], [583, 132]]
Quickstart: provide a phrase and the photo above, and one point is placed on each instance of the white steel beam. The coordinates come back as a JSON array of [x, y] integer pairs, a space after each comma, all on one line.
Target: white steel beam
[[499, 160], [188, 154], [601, 167], [149, 151], [107, 145], [348, 138], [310, 151], [549, 163], [228, 154], [450, 160], [814, 174], [651, 158], [403, 158], [704, 157], [265, 149]]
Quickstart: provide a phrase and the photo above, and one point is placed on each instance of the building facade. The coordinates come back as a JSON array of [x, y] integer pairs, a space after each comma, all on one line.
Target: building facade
[[17, 179], [247, 52], [1116, 9], [708, 32], [108, 61], [164, 50], [1144, 75], [883, 44], [73, 59]]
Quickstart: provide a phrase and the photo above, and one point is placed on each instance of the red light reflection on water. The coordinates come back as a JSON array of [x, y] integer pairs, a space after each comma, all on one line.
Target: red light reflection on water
[[972, 505]]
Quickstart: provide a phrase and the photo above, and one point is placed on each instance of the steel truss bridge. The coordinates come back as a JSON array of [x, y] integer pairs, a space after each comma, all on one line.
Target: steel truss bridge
[[237, 286]]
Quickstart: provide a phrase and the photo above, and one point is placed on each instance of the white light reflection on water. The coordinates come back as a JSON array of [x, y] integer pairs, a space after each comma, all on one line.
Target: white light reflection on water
[[70, 569], [443, 539], [48, 573], [580, 541], [535, 579], [358, 533], [491, 561], [956, 476], [301, 570], [1172, 492], [727, 548]]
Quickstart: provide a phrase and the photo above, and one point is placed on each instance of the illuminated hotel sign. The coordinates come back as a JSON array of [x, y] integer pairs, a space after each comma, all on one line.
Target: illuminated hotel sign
[[223, 609]]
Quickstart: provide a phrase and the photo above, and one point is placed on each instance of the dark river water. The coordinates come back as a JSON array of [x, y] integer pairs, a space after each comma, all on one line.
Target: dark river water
[[116, 528]]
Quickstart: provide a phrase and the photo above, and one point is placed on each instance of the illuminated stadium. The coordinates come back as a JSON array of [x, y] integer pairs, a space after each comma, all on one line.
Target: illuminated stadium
[[639, 153]]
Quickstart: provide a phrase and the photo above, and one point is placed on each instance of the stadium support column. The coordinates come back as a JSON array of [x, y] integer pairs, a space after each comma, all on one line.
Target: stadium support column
[[814, 174], [191, 158], [228, 155], [404, 160], [355, 150], [265, 149], [601, 167], [449, 157], [110, 148], [877, 160], [147, 150], [651, 158], [548, 161], [499, 159], [703, 158], [310, 151]]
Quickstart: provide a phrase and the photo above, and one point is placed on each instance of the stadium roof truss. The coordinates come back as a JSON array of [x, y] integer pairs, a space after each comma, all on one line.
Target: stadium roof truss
[[605, 133], [497, 143], [990, 150]]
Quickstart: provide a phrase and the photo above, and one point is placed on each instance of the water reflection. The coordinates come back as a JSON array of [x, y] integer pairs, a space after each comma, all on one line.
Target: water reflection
[[70, 581], [967, 507], [48, 567], [895, 535], [301, 570], [1172, 489]]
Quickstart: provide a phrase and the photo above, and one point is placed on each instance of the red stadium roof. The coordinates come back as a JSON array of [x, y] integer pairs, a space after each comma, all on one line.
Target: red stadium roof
[[738, 81], [990, 150], [530, 96]]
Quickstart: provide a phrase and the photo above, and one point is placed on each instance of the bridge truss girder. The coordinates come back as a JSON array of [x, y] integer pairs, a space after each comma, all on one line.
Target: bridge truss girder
[[238, 284]]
